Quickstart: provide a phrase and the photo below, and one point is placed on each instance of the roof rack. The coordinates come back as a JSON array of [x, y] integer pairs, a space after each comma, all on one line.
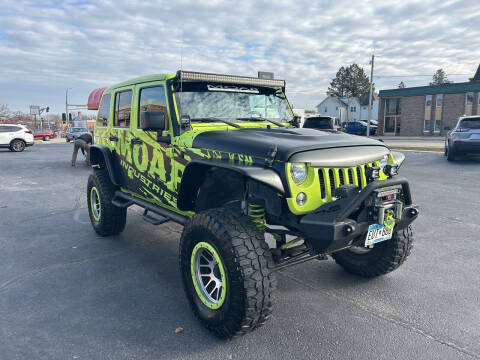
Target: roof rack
[[228, 79]]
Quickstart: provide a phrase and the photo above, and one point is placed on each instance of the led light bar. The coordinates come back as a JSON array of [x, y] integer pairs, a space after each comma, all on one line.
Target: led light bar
[[228, 79]]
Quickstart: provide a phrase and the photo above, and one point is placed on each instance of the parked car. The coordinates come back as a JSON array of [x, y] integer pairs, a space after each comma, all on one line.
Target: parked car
[[325, 123], [73, 133], [359, 128], [15, 137], [464, 138], [45, 134]]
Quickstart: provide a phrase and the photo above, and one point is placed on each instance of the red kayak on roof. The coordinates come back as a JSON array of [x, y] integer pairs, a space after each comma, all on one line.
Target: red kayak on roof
[[94, 98]]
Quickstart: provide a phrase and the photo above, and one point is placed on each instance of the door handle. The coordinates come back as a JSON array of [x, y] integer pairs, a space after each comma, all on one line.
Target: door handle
[[136, 141], [113, 138]]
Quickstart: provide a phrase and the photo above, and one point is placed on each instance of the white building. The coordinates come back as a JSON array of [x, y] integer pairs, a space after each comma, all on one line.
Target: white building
[[348, 109]]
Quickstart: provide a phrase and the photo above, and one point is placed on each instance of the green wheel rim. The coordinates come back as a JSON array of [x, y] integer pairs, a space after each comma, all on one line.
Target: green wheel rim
[[208, 275], [95, 204]]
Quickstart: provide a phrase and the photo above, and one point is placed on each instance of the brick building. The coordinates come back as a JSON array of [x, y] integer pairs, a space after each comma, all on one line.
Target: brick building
[[427, 110]]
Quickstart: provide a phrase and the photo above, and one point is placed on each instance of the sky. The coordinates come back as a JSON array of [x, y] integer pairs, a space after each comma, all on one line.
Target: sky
[[47, 46]]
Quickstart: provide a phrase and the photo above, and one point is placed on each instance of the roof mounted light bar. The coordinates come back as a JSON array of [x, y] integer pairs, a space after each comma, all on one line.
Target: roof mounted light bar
[[228, 79]]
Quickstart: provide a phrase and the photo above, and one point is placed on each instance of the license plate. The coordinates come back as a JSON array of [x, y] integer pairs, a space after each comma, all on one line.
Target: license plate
[[377, 233]]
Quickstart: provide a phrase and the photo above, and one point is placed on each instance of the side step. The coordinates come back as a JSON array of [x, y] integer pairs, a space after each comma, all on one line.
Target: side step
[[154, 220], [125, 200]]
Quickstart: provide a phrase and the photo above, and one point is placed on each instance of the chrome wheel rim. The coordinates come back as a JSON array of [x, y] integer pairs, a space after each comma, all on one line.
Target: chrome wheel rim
[[208, 275]]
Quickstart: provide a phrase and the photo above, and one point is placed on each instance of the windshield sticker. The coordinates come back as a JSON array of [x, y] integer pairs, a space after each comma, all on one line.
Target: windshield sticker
[[232, 89]]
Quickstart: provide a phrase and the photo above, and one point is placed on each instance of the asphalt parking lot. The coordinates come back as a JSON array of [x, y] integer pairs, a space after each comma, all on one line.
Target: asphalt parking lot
[[66, 293]]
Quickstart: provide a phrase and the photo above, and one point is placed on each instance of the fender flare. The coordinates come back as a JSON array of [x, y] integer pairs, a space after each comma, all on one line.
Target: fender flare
[[196, 170], [101, 156]]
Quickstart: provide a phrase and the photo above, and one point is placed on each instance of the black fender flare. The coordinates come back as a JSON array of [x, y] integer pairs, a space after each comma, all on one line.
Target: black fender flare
[[195, 172], [101, 156]]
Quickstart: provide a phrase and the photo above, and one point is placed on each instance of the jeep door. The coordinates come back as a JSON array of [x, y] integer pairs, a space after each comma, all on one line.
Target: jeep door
[[152, 153], [120, 134]]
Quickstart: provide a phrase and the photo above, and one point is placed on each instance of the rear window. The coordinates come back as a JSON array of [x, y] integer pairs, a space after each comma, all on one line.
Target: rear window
[[317, 123], [123, 101], [473, 123]]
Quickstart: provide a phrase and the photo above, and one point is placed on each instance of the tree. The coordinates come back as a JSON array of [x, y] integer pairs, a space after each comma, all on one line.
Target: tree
[[439, 78], [401, 85], [350, 81]]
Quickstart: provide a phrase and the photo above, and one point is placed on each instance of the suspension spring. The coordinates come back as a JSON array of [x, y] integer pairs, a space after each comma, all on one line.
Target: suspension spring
[[257, 216]]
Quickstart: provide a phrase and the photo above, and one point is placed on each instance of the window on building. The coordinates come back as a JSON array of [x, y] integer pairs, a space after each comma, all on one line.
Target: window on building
[[104, 111], [428, 100], [353, 109], [123, 104], [336, 108], [325, 109], [152, 99], [469, 98], [393, 107], [439, 100], [426, 125], [437, 126]]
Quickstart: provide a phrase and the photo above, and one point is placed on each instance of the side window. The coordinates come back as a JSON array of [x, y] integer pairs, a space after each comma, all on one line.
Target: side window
[[152, 99], [123, 104], [104, 111]]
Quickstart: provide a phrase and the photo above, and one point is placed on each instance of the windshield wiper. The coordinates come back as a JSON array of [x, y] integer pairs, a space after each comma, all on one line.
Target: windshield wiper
[[261, 119], [211, 119]]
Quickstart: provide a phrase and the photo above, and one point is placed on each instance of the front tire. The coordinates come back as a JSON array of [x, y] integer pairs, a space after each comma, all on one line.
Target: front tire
[[106, 218], [46, 138], [230, 284], [17, 145], [381, 259]]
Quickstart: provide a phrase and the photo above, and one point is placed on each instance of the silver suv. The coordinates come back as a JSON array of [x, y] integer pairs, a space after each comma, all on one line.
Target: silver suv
[[464, 138]]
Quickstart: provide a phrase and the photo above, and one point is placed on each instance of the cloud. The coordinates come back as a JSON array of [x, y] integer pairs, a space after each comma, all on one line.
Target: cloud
[[86, 44]]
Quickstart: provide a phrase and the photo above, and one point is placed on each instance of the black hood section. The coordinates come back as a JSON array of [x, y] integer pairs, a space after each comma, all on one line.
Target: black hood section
[[289, 141]]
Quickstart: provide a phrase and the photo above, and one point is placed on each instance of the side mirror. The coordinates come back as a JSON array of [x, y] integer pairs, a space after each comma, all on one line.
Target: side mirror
[[185, 121], [447, 128], [152, 121], [296, 121]]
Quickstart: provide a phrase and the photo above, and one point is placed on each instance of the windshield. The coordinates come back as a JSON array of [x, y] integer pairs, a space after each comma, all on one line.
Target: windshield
[[234, 103], [79, 130], [318, 123]]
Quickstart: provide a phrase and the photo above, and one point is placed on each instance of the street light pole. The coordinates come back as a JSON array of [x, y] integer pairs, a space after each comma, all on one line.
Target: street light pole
[[66, 107], [370, 97]]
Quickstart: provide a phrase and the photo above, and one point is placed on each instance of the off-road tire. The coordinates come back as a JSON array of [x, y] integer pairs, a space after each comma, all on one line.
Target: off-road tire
[[17, 145], [111, 219], [382, 259], [247, 261]]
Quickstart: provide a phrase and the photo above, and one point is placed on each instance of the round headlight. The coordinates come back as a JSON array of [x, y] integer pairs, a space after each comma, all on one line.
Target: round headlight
[[298, 171]]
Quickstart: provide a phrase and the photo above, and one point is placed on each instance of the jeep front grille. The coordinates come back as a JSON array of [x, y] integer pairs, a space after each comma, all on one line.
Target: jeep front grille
[[331, 178]]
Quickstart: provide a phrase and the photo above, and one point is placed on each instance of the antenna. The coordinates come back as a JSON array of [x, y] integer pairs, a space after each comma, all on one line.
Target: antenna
[[181, 77]]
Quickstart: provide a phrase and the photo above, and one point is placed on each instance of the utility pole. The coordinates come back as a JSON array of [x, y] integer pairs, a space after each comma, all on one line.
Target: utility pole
[[370, 96]]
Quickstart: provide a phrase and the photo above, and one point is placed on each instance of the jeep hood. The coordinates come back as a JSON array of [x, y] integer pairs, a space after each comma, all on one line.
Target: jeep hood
[[289, 141]]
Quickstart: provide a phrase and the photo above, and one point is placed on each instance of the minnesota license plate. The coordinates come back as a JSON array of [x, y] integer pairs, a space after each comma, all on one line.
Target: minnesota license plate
[[377, 233]]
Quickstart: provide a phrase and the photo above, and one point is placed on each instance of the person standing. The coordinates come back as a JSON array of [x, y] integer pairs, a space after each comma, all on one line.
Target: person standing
[[83, 143]]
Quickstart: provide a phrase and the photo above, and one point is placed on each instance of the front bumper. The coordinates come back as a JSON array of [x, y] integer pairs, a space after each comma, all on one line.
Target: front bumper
[[344, 223]]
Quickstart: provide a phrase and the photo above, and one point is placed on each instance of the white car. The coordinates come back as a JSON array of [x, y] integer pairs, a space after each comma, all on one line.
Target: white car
[[15, 137]]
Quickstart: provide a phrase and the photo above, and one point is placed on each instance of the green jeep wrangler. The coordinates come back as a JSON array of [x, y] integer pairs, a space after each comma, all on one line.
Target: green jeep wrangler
[[223, 156]]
